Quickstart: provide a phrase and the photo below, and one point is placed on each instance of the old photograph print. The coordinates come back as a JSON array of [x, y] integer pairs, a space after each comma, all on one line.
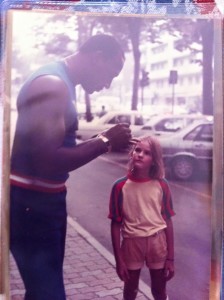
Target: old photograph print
[[166, 89]]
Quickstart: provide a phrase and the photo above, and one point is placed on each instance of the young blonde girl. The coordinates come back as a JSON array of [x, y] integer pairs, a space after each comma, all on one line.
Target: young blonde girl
[[140, 210]]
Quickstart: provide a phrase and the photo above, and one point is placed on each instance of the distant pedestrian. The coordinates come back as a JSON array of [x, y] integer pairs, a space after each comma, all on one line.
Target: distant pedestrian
[[103, 111], [141, 209]]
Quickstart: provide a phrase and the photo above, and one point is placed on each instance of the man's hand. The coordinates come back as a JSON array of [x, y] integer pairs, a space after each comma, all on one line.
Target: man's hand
[[119, 136]]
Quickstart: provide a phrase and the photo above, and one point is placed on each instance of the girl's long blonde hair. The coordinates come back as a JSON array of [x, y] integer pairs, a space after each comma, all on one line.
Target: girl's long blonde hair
[[157, 170]]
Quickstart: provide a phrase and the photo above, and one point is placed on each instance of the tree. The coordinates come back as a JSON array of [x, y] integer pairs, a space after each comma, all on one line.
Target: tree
[[85, 30], [63, 33], [134, 26], [207, 34], [201, 32]]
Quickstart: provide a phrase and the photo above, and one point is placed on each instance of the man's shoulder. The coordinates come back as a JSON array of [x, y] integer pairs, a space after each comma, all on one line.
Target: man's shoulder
[[52, 89], [50, 85]]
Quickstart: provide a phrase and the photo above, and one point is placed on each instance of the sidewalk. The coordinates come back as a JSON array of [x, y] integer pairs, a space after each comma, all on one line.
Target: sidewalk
[[89, 271]]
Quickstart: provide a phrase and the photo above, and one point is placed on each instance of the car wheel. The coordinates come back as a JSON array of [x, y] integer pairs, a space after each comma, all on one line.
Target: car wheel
[[183, 167]]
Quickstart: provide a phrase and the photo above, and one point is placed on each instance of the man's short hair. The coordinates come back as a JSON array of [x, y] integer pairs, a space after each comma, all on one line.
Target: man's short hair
[[105, 43]]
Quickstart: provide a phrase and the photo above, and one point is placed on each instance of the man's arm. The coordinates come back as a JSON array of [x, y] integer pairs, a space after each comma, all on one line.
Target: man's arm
[[41, 124]]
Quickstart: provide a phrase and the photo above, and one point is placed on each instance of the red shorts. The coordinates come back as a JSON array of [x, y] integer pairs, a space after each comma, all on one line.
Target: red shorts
[[151, 250]]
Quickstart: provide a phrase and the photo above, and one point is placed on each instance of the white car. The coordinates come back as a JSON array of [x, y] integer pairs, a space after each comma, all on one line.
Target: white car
[[169, 123], [89, 129], [189, 151]]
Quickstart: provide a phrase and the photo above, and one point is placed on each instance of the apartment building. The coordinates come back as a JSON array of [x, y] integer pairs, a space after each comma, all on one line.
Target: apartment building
[[159, 60]]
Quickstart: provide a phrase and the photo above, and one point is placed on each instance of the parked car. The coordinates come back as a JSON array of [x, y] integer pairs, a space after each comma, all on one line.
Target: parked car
[[189, 150], [168, 123], [89, 129]]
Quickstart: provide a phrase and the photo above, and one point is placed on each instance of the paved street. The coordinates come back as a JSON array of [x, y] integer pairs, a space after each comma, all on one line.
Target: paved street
[[88, 270]]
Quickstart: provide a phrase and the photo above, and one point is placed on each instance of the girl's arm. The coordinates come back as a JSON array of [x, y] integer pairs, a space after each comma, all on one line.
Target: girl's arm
[[116, 242], [169, 265]]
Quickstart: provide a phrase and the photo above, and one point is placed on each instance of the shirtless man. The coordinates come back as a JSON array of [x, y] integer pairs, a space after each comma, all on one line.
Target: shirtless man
[[45, 151]]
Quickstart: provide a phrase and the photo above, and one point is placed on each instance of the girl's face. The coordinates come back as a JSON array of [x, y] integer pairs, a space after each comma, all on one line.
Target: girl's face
[[142, 158]]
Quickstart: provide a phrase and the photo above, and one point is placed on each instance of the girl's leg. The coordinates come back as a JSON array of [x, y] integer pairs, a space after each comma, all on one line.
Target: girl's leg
[[158, 284], [131, 286]]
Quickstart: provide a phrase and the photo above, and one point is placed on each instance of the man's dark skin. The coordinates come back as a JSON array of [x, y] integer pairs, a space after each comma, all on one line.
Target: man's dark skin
[[45, 151], [41, 124]]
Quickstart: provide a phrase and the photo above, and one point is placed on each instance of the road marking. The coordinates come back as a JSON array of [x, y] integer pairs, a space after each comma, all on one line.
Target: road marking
[[144, 288], [170, 183]]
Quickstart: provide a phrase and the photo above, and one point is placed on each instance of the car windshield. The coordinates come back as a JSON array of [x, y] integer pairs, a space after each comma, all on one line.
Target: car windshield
[[126, 118], [120, 119], [170, 125], [206, 134], [202, 132]]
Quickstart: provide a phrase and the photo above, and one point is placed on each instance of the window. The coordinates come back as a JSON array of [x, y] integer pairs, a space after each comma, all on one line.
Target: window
[[124, 119], [206, 134], [169, 125], [159, 49], [178, 61], [120, 119], [112, 121], [159, 66], [139, 120], [202, 133], [192, 135]]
